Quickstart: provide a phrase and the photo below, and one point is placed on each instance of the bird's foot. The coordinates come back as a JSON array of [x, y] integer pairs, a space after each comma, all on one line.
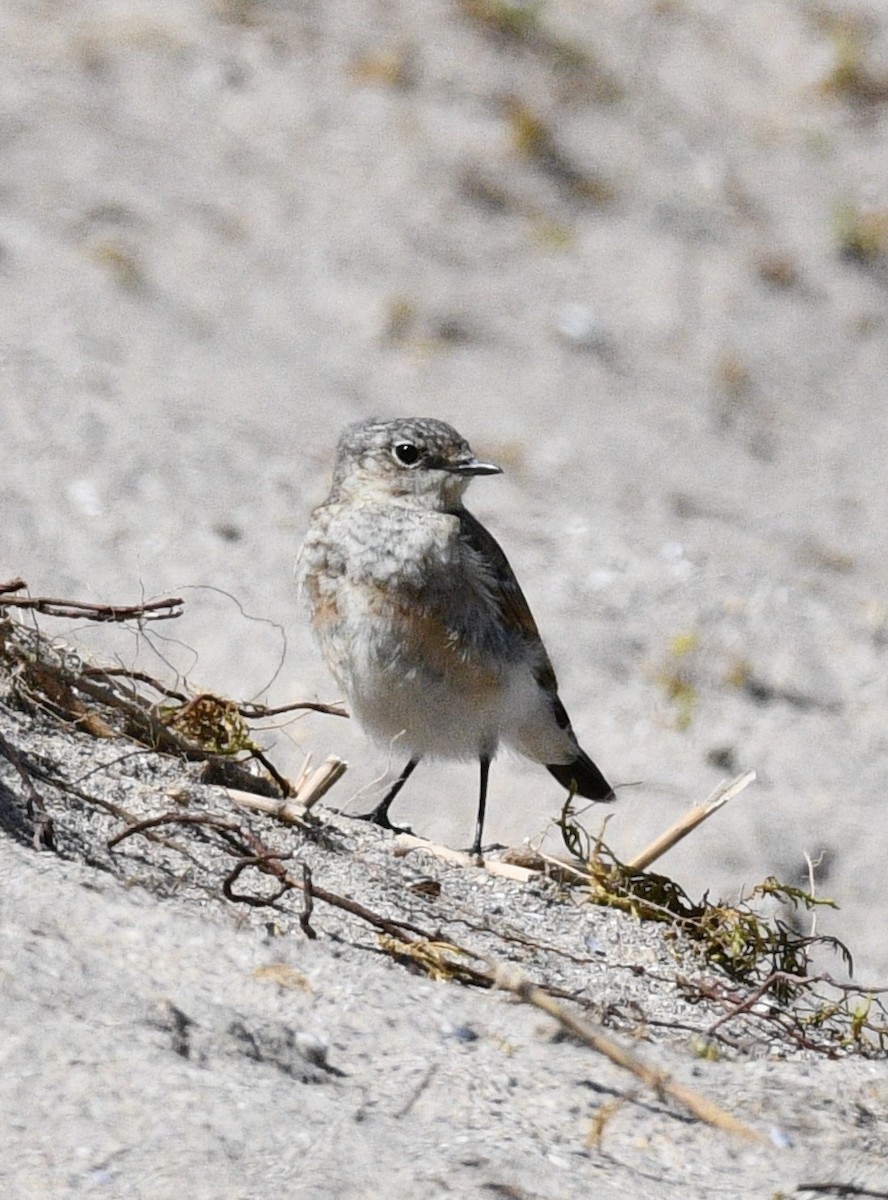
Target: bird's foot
[[382, 820], [478, 852]]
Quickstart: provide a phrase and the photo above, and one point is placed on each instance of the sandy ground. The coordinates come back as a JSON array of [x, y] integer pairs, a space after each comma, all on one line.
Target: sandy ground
[[613, 252], [162, 1034]]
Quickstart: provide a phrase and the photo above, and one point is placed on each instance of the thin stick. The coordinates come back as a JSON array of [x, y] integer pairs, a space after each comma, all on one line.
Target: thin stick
[[195, 818], [293, 809], [151, 610], [290, 811], [405, 842], [417, 1091], [689, 822], [249, 711], [319, 782], [260, 712], [307, 903], [512, 981]]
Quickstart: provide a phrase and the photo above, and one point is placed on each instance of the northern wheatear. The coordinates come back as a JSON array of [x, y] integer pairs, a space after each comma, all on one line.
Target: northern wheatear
[[420, 617]]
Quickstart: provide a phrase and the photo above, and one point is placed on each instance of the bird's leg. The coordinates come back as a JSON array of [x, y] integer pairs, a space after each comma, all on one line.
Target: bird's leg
[[482, 805], [379, 815]]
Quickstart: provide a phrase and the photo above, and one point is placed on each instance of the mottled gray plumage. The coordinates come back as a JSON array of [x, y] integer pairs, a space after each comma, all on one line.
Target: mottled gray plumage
[[419, 615]]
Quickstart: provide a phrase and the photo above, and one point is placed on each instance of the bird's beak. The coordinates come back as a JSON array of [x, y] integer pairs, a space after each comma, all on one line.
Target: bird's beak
[[474, 466]]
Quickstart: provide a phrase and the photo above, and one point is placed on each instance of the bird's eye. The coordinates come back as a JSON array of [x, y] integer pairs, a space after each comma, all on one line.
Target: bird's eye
[[406, 454]]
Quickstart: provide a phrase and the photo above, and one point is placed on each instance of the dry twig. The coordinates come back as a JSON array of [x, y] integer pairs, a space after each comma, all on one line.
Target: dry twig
[[405, 842], [308, 789], [149, 610], [690, 820], [512, 981], [308, 903]]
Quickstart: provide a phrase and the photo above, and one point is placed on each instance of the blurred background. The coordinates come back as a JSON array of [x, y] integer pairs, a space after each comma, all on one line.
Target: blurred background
[[635, 251]]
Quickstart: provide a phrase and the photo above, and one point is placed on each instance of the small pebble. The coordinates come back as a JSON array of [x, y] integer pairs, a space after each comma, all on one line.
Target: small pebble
[[459, 1033], [780, 1138], [579, 326]]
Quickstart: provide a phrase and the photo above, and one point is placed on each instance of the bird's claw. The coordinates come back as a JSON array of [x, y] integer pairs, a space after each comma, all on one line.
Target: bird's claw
[[381, 819]]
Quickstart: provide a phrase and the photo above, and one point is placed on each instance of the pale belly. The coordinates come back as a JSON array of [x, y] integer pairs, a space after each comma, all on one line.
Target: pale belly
[[461, 713]]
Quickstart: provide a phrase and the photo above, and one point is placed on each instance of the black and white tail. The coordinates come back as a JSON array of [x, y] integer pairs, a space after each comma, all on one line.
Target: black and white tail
[[583, 777]]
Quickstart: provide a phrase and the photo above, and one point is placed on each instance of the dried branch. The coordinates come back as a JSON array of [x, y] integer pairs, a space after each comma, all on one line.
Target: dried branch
[[249, 711], [308, 903], [512, 981], [131, 676], [405, 842], [261, 712], [305, 793], [256, 860], [149, 610], [690, 820]]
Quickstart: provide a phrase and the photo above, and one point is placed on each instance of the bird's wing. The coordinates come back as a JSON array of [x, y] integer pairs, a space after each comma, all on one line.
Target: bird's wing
[[506, 593]]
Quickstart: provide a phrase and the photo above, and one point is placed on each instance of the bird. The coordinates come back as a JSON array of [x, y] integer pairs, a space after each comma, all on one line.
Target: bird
[[420, 618]]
